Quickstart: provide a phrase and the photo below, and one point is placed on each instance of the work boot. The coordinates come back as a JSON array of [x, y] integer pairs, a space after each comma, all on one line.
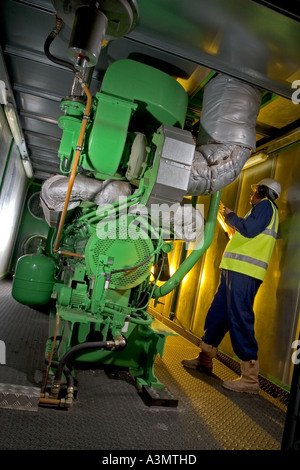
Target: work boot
[[248, 382], [204, 360]]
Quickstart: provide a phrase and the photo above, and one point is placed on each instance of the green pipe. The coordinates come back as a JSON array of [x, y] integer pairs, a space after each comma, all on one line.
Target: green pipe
[[177, 289], [182, 258], [192, 259], [138, 321], [121, 203], [112, 210]]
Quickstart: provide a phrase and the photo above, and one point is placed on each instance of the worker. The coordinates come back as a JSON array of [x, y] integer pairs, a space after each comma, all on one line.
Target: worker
[[243, 268]]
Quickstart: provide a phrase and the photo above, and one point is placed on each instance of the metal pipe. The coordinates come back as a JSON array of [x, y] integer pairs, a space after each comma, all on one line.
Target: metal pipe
[[75, 163], [192, 259], [49, 401], [138, 321], [69, 253], [117, 205], [52, 351]]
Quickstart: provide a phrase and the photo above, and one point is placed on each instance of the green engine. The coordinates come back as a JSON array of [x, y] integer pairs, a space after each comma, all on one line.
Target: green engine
[[95, 273]]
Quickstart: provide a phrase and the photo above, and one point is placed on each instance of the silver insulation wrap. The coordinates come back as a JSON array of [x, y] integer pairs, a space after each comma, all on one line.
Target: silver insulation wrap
[[227, 135], [112, 191], [54, 191]]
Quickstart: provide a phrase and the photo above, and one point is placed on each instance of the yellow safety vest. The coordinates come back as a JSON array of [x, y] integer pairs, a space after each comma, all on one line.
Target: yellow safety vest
[[251, 256]]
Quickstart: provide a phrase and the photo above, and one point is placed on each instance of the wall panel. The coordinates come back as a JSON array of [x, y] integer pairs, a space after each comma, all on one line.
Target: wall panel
[[13, 188], [277, 303]]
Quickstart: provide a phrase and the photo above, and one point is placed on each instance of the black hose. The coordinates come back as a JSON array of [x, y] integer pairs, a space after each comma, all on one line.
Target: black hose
[[75, 349], [66, 372], [51, 57]]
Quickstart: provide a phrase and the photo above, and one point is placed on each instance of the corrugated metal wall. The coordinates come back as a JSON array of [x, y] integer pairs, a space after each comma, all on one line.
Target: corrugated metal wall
[[33, 230], [13, 189], [277, 302]]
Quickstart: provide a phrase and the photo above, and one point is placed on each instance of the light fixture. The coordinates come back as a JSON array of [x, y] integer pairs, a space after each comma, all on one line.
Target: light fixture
[[227, 229], [28, 168], [255, 159], [222, 221], [13, 123], [3, 94]]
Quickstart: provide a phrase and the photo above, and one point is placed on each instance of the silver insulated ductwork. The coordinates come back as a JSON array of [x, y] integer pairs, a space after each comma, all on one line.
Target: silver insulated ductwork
[[227, 134], [54, 192]]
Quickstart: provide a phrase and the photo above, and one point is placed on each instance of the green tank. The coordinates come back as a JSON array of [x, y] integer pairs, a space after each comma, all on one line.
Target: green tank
[[33, 280]]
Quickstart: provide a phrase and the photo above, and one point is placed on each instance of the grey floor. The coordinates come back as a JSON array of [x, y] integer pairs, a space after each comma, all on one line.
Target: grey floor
[[109, 413]]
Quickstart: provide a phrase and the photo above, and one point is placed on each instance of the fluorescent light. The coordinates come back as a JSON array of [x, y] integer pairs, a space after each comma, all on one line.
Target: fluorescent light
[[227, 229], [28, 168], [3, 94], [255, 159], [13, 123]]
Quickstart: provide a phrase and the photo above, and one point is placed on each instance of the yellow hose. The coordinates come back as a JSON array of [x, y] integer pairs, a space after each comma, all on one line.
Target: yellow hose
[[44, 400], [75, 164]]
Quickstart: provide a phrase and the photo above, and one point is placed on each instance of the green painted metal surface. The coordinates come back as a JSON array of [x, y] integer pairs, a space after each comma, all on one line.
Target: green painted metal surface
[[156, 92], [70, 123], [33, 279], [133, 95], [103, 292], [109, 134]]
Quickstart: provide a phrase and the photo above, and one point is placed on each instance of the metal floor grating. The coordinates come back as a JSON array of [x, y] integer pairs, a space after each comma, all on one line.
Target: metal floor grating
[[109, 414]]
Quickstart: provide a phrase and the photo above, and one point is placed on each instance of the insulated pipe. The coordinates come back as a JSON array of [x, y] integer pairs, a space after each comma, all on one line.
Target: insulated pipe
[[227, 134], [75, 163], [192, 259]]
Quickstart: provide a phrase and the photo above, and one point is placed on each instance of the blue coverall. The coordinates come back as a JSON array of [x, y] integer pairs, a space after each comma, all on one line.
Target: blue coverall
[[232, 307]]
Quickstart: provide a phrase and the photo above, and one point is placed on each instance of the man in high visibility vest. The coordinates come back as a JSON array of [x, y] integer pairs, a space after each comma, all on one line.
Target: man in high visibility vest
[[243, 268]]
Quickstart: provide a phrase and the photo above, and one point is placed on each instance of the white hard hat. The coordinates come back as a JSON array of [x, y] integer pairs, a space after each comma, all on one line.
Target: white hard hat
[[270, 183]]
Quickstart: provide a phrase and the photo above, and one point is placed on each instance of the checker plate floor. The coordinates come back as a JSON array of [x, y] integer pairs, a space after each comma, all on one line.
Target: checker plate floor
[[109, 414]]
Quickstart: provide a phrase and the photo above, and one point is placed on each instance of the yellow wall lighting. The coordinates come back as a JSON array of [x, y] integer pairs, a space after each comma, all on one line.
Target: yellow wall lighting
[[255, 159], [229, 230], [202, 277]]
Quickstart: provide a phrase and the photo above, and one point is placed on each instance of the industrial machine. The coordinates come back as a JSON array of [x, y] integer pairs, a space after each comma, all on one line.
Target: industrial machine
[[114, 212]]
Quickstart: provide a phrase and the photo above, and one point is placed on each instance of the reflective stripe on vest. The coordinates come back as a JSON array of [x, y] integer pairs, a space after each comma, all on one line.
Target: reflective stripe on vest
[[246, 259], [236, 257]]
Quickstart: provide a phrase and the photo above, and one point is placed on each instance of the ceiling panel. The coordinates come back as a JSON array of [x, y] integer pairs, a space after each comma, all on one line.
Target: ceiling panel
[[255, 41]]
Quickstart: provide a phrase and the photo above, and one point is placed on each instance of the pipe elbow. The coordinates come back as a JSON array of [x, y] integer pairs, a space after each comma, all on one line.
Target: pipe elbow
[[215, 166]]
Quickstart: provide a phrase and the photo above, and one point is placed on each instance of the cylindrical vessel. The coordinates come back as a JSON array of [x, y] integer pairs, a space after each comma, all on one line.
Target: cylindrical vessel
[[33, 279], [87, 36]]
